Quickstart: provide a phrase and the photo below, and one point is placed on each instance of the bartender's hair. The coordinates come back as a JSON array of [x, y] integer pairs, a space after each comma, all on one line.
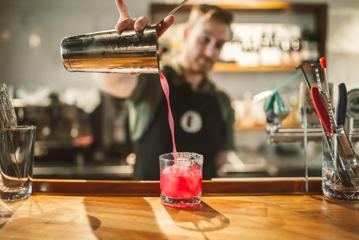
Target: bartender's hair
[[205, 11]]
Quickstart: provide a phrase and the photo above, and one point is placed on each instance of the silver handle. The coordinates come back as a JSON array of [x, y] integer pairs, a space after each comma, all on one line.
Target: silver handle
[[173, 10]]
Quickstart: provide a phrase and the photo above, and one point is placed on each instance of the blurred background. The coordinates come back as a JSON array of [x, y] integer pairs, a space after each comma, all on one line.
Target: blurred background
[[83, 133]]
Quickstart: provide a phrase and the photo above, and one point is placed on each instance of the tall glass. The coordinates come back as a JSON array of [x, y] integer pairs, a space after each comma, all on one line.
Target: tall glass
[[181, 179], [338, 179], [16, 162]]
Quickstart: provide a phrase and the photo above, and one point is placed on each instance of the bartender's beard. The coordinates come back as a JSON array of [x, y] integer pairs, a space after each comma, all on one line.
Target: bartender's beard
[[196, 65], [202, 65]]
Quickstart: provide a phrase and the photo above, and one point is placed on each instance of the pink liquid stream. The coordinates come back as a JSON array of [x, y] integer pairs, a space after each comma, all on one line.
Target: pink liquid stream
[[166, 91], [175, 182]]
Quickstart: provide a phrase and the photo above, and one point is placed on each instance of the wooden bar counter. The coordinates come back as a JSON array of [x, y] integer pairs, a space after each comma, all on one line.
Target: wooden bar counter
[[243, 209]]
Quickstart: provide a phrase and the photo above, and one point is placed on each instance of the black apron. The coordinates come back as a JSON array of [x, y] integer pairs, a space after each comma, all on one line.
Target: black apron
[[199, 128]]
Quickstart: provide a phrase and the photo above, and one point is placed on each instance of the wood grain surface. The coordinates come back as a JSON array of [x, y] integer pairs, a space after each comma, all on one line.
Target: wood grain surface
[[241, 217]]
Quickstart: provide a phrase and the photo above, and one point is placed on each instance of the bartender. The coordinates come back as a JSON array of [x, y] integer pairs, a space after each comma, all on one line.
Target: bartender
[[203, 116]]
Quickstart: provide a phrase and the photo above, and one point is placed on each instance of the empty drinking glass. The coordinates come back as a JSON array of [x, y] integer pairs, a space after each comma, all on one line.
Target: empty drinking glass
[[16, 162]]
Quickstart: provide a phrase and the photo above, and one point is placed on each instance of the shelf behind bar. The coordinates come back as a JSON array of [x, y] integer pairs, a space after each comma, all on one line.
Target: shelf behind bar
[[233, 67], [217, 187], [251, 6]]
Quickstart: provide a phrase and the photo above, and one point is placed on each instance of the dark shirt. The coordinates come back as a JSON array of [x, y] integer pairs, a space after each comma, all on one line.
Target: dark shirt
[[203, 122]]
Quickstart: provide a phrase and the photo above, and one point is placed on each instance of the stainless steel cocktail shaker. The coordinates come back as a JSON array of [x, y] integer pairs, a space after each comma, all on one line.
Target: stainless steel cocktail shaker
[[108, 51]]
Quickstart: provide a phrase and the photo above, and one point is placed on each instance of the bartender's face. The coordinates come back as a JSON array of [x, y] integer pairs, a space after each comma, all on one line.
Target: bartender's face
[[204, 43]]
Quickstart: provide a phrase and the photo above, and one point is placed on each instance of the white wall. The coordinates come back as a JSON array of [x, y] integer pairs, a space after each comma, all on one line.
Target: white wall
[[51, 20]]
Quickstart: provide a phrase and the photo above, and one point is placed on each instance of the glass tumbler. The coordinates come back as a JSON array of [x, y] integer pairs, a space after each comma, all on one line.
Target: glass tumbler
[[16, 162], [338, 178], [181, 179]]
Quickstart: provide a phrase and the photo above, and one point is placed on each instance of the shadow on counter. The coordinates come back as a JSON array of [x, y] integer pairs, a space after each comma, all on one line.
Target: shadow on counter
[[202, 219], [140, 224]]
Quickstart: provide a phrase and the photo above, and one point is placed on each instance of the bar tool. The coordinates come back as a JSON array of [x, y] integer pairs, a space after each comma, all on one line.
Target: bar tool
[[353, 109], [347, 157], [323, 64], [7, 113], [173, 11], [321, 110], [342, 104], [108, 51], [8, 121], [306, 77], [326, 97]]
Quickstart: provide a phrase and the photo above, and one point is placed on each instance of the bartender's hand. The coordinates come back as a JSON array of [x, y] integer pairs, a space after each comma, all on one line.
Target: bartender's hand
[[125, 22], [122, 85]]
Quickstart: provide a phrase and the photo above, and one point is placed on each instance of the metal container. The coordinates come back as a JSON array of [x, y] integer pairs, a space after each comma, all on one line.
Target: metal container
[[108, 51]]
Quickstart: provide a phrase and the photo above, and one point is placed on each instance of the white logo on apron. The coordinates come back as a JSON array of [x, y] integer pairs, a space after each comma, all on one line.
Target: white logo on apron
[[191, 122]]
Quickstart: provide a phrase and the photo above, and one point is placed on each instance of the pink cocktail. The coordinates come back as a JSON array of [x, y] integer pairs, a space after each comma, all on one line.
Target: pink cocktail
[[181, 179]]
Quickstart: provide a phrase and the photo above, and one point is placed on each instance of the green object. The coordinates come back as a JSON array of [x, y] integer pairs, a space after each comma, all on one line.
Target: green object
[[269, 104], [275, 104]]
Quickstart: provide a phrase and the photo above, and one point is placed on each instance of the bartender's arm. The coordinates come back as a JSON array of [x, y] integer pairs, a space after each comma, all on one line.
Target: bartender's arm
[[122, 85]]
